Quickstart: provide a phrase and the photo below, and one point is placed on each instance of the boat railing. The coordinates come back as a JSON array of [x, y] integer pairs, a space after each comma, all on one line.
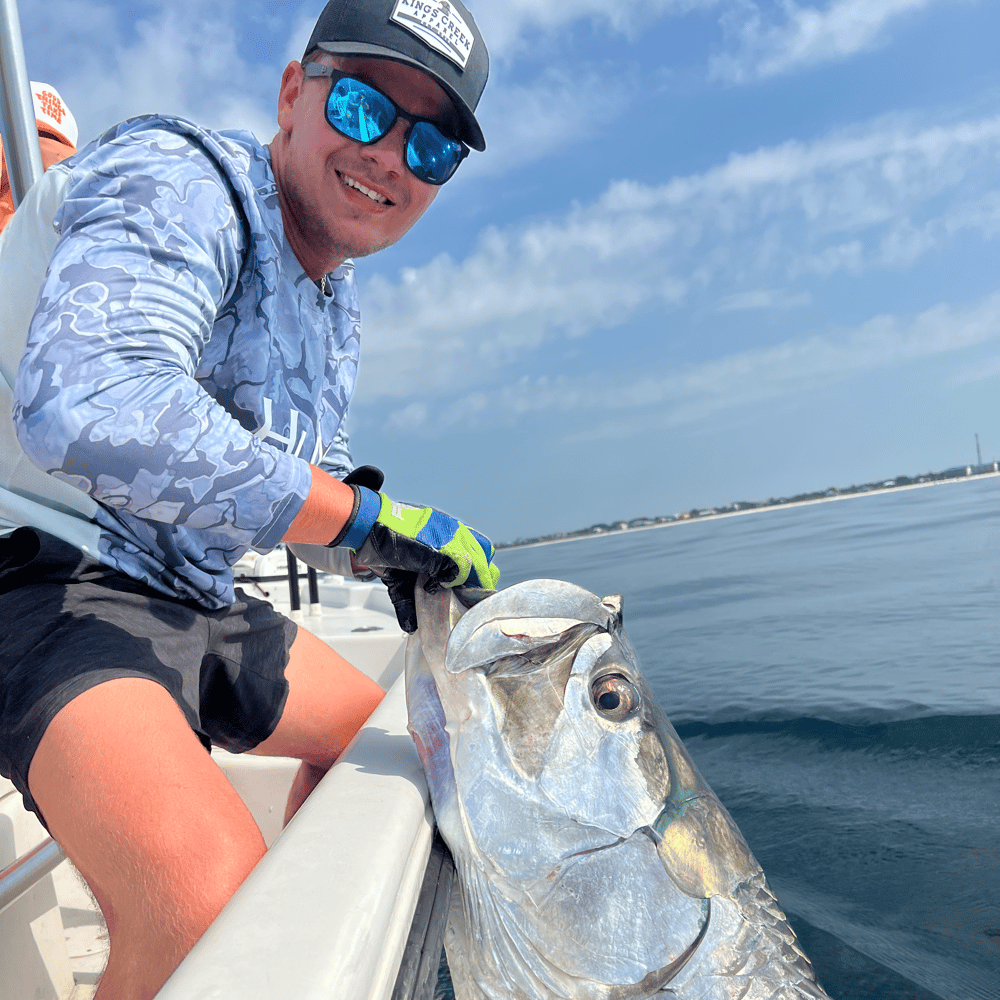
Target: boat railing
[[17, 113], [418, 970], [27, 871]]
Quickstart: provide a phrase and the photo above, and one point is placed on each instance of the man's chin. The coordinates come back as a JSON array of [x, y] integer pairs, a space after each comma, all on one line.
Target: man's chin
[[361, 245]]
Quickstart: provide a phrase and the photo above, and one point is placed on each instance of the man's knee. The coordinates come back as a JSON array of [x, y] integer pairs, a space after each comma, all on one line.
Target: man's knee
[[158, 919]]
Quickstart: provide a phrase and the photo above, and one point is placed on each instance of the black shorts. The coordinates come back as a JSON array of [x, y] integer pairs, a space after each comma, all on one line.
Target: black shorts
[[69, 623]]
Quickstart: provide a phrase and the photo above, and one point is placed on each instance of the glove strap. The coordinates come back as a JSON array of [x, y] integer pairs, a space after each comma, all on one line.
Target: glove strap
[[367, 505]]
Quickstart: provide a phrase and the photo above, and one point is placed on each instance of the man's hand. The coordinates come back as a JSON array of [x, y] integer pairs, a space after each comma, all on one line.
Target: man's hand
[[400, 541]]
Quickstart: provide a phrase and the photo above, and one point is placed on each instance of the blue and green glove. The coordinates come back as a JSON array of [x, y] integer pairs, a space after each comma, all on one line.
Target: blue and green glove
[[399, 542]]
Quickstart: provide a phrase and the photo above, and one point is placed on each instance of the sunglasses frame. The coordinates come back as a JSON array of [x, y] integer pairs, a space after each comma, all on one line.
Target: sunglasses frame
[[317, 69]]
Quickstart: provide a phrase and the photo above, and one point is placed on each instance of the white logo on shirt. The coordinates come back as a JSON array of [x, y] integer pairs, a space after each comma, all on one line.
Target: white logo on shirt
[[289, 443]]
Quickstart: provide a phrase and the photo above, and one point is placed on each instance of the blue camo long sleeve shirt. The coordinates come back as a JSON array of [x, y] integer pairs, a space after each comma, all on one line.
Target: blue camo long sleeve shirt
[[181, 368]]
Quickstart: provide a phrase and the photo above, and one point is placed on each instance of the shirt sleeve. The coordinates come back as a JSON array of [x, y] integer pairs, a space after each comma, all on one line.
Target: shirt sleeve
[[106, 397], [337, 459]]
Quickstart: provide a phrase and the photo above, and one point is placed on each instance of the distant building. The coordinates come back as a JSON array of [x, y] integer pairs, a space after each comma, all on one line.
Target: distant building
[[956, 472]]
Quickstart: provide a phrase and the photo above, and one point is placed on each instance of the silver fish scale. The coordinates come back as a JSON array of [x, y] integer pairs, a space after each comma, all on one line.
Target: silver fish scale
[[760, 959], [593, 861]]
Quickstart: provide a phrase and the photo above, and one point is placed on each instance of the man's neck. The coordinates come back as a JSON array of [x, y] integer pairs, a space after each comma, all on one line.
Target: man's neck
[[315, 261]]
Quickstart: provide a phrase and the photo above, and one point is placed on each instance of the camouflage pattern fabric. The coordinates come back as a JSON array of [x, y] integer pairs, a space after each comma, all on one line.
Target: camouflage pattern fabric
[[181, 368]]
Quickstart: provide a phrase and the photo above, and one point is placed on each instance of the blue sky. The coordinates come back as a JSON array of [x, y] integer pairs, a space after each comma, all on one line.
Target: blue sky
[[715, 250]]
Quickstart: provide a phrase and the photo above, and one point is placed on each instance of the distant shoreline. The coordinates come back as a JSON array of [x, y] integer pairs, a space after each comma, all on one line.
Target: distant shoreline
[[752, 510]]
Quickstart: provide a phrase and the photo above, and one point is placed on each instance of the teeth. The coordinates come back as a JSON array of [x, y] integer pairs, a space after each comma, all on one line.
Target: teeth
[[358, 186]]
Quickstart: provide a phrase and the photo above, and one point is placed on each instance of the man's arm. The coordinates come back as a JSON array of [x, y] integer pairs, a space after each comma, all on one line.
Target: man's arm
[[107, 397]]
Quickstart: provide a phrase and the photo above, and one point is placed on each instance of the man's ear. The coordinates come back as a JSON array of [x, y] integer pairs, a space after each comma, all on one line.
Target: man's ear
[[292, 81]]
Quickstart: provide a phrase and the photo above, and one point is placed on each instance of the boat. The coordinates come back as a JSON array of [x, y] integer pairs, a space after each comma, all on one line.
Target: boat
[[351, 898]]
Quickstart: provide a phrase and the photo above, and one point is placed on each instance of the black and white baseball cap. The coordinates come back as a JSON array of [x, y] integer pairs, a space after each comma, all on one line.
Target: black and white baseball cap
[[439, 37]]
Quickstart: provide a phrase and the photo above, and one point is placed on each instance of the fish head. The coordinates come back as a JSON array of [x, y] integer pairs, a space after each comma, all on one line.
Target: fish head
[[587, 845]]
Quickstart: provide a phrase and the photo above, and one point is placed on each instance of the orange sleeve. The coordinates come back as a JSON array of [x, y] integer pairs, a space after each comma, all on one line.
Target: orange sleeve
[[6, 195]]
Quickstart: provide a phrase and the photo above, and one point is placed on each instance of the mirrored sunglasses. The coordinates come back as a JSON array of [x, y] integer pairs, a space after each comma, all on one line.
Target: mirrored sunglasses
[[364, 114]]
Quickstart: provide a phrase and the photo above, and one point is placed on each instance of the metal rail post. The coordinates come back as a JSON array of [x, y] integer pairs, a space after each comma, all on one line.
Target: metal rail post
[[17, 113], [23, 874]]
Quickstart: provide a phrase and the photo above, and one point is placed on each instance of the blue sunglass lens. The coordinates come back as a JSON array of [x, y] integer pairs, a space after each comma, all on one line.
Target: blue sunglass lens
[[431, 156], [365, 114], [358, 111]]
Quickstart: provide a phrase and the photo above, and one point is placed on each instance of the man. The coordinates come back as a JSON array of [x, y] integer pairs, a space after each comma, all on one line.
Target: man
[[195, 340], [57, 135]]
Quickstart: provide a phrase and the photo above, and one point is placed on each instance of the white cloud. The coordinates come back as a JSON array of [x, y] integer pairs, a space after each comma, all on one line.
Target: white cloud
[[801, 36], [183, 58], [795, 368], [763, 299], [854, 201], [301, 29]]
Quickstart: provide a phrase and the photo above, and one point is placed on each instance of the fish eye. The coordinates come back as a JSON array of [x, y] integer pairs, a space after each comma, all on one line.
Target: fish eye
[[614, 696]]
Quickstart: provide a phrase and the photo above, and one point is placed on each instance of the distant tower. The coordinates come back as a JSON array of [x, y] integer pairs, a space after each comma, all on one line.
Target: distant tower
[[979, 454]]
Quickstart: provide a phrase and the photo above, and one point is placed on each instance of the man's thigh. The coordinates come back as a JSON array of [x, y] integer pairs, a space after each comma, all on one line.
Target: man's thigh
[[328, 701], [148, 818], [68, 624]]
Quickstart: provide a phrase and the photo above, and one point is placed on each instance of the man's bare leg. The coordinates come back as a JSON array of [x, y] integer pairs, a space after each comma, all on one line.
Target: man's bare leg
[[328, 702], [306, 779], [151, 822]]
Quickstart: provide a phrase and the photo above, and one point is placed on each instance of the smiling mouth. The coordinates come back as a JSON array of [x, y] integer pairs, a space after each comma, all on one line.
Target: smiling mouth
[[374, 196]]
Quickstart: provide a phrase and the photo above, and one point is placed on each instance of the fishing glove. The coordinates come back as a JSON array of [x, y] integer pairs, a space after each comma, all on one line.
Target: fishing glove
[[399, 541], [366, 475]]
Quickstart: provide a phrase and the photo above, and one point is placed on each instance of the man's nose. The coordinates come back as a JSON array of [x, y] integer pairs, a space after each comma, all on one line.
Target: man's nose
[[388, 151]]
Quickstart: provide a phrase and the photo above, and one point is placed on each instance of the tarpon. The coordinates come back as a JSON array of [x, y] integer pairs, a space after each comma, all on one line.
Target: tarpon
[[593, 861]]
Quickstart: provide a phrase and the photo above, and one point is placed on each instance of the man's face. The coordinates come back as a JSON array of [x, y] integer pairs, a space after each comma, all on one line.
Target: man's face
[[318, 170]]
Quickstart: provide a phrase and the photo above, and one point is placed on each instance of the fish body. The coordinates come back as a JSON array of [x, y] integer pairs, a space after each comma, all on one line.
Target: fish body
[[593, 861]]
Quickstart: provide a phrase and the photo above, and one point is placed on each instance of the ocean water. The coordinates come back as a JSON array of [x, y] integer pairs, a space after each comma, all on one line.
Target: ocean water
[[833, 670]]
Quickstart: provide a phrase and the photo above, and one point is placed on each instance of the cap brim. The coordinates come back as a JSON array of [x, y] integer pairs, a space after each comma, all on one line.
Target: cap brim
[[48, 129], [470, 132]]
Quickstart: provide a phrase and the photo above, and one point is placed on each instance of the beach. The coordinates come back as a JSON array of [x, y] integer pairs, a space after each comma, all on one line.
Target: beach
[[756, 510]]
